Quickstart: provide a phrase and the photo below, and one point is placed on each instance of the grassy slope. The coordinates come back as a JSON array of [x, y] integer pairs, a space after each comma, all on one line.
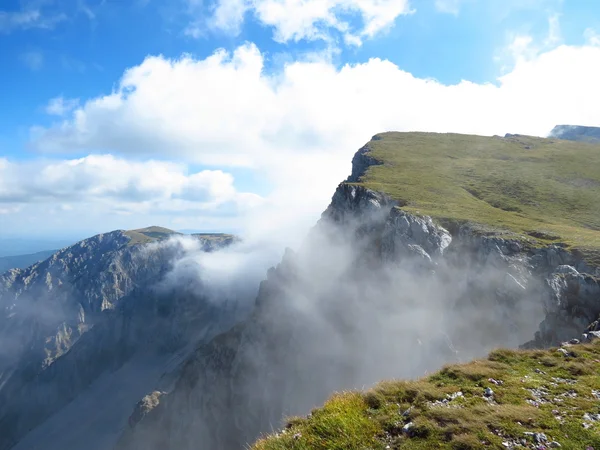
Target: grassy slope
[[547, 188], [567, 388]]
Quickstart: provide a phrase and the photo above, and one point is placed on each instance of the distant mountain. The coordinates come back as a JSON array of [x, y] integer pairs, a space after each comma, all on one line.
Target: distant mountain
[[89, 330], [576, 133], [23, 261]]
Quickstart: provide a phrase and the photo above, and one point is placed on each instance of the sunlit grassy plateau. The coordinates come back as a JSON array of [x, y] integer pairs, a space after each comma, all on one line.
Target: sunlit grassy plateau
[[543, 190]]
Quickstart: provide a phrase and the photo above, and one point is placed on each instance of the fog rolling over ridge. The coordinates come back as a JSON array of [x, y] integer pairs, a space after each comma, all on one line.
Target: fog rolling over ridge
[[374, 293]]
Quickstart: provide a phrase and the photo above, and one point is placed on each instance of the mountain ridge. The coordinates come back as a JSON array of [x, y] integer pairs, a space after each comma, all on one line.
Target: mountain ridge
[[87, 309], [236, 387]]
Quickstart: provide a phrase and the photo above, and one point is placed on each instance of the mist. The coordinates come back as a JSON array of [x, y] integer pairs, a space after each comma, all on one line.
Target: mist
[[359, 301]]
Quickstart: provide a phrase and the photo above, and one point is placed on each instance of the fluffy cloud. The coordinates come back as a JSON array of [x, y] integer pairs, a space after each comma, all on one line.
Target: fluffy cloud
[[296, 130], [294, 20], [225, 110], [124, 186]]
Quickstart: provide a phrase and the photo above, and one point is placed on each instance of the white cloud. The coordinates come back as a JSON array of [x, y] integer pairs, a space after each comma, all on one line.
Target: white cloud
[[229, 15], [225, 110], [554, 31], [33, 59], [59, 106], [119, 185], [523, 47], [28, 17], [297, 130], [294, 20]]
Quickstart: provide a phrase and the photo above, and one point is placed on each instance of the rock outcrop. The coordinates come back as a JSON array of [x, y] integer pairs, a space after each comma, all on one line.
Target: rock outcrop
[[360, 163]]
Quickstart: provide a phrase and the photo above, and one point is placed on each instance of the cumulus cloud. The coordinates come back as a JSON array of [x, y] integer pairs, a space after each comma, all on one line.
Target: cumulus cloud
[[125, 185], [225, 110], [296, 130], [295, 20]]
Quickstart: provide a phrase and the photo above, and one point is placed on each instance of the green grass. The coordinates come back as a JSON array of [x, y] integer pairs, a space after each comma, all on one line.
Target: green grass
[[149, 234], [374, 419], [545, 190]]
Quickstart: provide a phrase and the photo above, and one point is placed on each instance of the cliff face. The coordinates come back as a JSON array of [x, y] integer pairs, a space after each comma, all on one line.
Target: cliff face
[[376, 292], [90, 313], [52, 303]]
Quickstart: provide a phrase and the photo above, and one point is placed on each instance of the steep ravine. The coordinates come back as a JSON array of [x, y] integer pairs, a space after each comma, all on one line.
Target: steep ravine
[[375, 293]]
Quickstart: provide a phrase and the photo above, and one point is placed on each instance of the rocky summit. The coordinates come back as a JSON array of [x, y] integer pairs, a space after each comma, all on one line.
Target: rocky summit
[[437, 249]]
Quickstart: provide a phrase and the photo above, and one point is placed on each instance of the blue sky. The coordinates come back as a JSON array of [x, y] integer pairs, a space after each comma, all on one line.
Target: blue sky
[[71, 115]]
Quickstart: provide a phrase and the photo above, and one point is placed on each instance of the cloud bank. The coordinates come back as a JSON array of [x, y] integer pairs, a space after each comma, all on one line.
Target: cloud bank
[[142, 185], [226, 110], [295, 130]]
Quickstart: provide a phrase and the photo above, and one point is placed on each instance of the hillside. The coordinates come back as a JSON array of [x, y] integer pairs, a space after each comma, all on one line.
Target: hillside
[[541, 190], [513, 399]]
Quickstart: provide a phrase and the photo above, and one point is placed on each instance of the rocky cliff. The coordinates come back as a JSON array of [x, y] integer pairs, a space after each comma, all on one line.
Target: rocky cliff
[[91, 312], [378, 291]]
